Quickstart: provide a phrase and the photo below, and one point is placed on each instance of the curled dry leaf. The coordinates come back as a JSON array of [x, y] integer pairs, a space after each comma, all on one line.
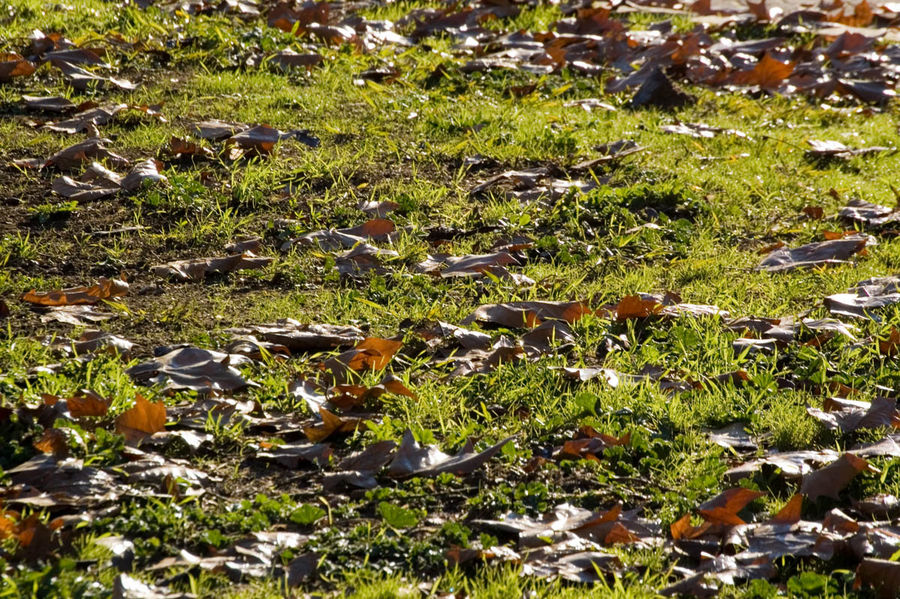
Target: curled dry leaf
[[527, 314], [300, 338], [78, 315], [866, 298], [87, 404], [835, 149], [290, 59], [359, 469], [198, 268], [292, 455], [847, 415], [189, 367], [372, 353], [14, 65], [882, 574], [332, 424], [87, 120], [53, 104], [413, 459], [103, 290], [143, 419], [87, 150], [182, 147], [142, 173], [54, 442], [769, 73], [81, 191], [832, 479], [868, 214], [377, 229], [813, 254], [261, 140]]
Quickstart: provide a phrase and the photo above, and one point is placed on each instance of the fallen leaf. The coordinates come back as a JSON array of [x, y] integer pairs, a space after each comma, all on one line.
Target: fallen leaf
[[142, 419], [866, 298], [832, 479], [186, 367], [769, 73], [835, 149], [332, 424], [103, 290], [142, 173], [87, 150], [813, 254], [413, 459], [14, 65], [847, 415], [53, 441], [527, 314], [198, 268], [883, 575]]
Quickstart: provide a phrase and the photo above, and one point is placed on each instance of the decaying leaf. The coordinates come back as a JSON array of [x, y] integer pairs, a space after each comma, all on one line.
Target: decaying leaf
[[847, 415], [517, 315], [85, 120], [814, 254], [198, 268], [413, 459], [103, 290], [832, 479], [835, 149], [186, 367], [868, 214], [142, 173], [883, 575], [85, 151], [142, 419], [300, 338], [372, 353], [262, 139], [866, 298], [292, 455], [332, 424], [14, 65]]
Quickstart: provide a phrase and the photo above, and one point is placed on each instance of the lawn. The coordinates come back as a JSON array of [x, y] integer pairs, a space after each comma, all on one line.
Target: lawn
[[477, 299]]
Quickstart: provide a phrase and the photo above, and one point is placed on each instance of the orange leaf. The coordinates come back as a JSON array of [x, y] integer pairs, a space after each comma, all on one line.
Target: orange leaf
[[768, 73], [87, 404], [52, 441], [145, 418], [632, 306]]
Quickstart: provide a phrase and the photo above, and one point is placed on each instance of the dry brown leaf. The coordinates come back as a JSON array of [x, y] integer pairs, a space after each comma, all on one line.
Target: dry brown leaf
[[527, 314], [14, 65], [832, 479], [791, 512], [103, 290], [87, 404], [882, 574], [332, 424], [85, 151], [813, 254], [186, 367], [53, 441], [197, 269], [81, 191], [413, 459], [142, 173], [182, 147], [723, 508], [769, 73], [141, 420], [848, 415]]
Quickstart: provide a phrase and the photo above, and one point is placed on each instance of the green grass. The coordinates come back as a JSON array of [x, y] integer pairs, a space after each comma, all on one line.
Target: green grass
[[717, 202]]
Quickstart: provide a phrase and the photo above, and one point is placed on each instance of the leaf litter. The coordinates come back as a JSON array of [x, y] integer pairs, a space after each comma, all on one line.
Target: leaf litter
[[731, 544]]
